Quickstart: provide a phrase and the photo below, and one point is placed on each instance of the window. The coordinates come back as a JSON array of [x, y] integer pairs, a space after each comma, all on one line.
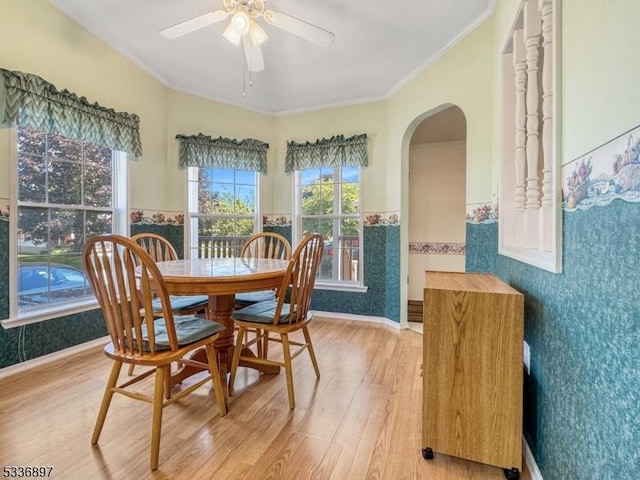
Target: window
[[67, 192], [327, 202], [223, 210]]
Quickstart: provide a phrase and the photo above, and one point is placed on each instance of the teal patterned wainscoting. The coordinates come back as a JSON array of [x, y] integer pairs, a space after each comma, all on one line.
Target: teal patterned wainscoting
[[284, 230], [381, 275], [392, 272], [173, 233], [37, 339], [582, 399], [31, 341], [381, 272], [4, 269]]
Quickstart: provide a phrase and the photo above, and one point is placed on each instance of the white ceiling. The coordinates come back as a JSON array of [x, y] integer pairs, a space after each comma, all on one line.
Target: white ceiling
[[379, 46]]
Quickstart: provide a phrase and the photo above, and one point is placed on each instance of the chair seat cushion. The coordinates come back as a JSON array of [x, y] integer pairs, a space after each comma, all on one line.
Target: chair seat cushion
[[180, 302], [189, 329], [256, 297], [262, 312]]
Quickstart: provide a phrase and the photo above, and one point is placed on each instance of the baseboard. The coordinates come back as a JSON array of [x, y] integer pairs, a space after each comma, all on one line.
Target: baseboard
[[67, 352], [28, 364], [530, 461], [362, 318]]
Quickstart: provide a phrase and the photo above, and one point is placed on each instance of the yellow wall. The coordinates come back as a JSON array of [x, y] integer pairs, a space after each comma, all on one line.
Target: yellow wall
[[463, 77], [58, 49], [190, 115], [600, 94], [368, 118], [37, 38]]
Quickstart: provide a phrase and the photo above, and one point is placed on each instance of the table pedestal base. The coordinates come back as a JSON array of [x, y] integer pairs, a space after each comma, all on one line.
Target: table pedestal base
[[220, 309]]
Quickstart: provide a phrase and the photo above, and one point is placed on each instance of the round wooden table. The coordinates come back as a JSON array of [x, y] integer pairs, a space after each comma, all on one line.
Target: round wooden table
[[221, 279]]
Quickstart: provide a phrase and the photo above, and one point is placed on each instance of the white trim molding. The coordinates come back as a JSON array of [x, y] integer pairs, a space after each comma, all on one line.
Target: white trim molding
[[530, 461], [362, 318]]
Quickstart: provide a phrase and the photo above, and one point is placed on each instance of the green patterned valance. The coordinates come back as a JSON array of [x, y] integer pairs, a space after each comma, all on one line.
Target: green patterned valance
[[203, 151], [333, 152], [32, 102]]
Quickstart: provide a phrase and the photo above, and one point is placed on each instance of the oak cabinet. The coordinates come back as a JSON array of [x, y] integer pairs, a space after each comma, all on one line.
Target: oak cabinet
[[472, 369]]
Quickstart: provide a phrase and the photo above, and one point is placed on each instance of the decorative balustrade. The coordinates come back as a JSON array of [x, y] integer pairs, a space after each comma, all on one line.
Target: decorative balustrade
[[529, 186]]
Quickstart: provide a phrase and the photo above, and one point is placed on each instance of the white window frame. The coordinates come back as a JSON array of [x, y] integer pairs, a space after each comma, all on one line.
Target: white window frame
[[190, 233], [297, 231], [120, 225]]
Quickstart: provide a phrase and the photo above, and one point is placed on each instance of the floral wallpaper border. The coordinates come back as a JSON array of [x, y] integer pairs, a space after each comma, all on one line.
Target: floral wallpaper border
[[276, 220], [598, 177], [162, 217], [436, 248], [482, 212], [381, 218], [172, 217], [138, 216]]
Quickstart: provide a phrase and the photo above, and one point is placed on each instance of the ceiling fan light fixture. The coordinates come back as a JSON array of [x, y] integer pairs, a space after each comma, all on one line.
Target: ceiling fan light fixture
[[241, 22], [232, 34], [257, 34]]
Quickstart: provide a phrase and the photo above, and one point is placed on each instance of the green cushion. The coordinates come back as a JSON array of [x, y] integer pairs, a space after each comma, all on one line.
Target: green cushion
[[262, 312], [255, 297], [180, 302], [189, 329]]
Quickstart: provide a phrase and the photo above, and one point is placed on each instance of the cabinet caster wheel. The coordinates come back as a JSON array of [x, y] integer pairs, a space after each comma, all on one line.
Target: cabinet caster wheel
[[511, 474], [427, 454]]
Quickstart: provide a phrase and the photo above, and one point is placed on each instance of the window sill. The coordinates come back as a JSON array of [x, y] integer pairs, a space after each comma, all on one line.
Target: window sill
[[341, 287], [49, 313]]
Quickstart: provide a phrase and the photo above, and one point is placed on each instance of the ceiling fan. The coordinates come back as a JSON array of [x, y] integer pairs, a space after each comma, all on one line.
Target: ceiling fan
[[244, 28]]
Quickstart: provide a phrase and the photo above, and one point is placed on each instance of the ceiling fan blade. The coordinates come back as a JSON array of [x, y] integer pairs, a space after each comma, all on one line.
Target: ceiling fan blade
[[193, 24], [253, 55], [299, 27]]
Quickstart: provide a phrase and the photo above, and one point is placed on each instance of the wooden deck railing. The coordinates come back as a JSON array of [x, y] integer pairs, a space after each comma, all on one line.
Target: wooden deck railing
[[220, 247], [227, 247]]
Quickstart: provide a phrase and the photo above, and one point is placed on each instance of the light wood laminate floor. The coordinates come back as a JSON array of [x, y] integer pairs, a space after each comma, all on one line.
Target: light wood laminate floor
[[360, 420]]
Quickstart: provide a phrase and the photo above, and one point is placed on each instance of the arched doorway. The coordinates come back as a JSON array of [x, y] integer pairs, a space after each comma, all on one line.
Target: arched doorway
[[437, 197]]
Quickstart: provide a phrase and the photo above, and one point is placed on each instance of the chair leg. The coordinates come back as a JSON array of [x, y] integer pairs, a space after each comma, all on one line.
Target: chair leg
[[131, 367], [215, 378], [312, 354], [167, 383], [106, 401], [156, 421], [236, 357], [265, 344], [259, 342], [289, 371]]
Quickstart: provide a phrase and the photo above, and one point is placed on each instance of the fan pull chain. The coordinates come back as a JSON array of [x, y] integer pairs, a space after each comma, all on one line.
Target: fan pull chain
[[244, 79], [246, 73]]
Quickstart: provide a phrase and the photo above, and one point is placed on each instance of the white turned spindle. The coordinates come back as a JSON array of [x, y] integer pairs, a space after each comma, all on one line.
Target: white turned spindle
[[532, 30], [546, 212], [520, 69]]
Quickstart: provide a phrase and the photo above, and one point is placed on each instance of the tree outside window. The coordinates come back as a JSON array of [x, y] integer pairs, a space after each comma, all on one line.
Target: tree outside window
[[65, 196], [224, 212], [328, 203]]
